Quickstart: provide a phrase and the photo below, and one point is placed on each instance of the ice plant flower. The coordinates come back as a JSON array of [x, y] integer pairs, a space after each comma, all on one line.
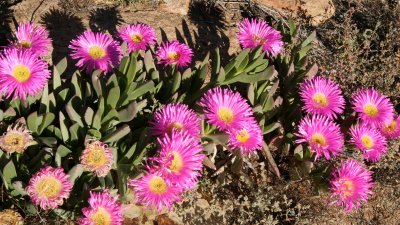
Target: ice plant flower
[[224, 108], [49, 187], [16, 139], [22, 73], [322, 135], [10, 217], [95, 51], [322, 96], [247, 137], [174, 53], [176, 117], [32, 37], [351, 184], [181, 159], [103, 210], [154, 190], [369, 140], [256, 32], [372, 107], [137, 36], [97, 158], [391, 129]]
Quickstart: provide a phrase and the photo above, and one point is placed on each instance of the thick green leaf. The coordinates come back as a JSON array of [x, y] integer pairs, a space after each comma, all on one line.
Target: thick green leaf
[[117, 134], [176, 82], [47, 120], [75, 172], [32, 122], [309, 39], [9, 172], [63, 127], [142, 89], [271, 127], [127, 114], [131, 69], [89, 116], [49, 141], [113, 97]]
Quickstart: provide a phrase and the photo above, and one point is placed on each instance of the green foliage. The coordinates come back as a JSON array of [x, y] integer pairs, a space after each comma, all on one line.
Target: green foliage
[[116, 108]]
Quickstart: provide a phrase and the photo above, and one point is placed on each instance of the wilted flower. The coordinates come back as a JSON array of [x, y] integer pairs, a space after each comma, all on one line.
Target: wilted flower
[[22, 73], [103, 210], [154, 190], [322, 134], [255, 32], [174, 53], [96, 51], [391, 129], [137, 36], [49, 187], [16, 139], [322, 96], [372, 107], [97, 158], [176, 117], [10, 217], [225, 109], [181, 159], [351, 184], [248, 137], [369, 140], [33, 37]]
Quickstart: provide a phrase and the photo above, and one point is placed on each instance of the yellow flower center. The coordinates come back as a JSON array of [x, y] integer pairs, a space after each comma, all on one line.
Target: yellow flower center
[[318, 139], [370, 110], [97, 157], [174, 125], [101, 217], [21, 73], [367, 141], [157, 185], [320, 100], [243, 136], [97, 52], [48, 187], [136, 38], [225, 114], [10, 217], [173, 56], [259, 39], [391, 127], [176, 163], [25, 44], [347, 187], [14, 142]]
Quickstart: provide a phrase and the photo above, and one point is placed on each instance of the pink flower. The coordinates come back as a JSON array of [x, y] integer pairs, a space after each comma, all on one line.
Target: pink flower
[[225, 109], [180, 159], [391, 129], [33, 37], [174, 53], [154, 190], [176, 117], [103, 209], [322, 96], [95, 51], [351, 184], [248, 137], [97, 158], [49, 187], [369, 140], [137, 36], [372, 107], [255, 32], [322, 135], [22, 73]]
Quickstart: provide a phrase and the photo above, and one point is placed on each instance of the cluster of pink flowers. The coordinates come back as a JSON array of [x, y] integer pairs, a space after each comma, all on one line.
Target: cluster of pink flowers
[[231, 113], [323, 101], [22, 71], [179, 162]]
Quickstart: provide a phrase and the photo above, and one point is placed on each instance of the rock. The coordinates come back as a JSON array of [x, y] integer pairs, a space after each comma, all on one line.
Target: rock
[[176, 6], [318, 10]]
